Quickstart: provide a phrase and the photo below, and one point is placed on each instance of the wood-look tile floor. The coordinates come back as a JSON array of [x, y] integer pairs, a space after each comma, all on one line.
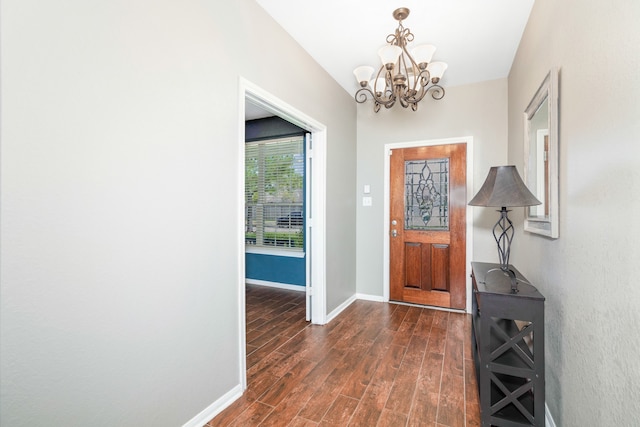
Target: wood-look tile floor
[[376, 364]]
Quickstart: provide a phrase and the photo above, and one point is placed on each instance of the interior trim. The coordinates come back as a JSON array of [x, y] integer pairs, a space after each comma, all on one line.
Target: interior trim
[[315, 244], [215, 408]]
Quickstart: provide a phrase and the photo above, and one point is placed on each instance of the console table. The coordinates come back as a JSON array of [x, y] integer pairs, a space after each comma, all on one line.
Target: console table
[[508, 344]]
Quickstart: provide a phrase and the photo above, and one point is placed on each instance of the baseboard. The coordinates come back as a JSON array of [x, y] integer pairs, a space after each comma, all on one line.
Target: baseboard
[[549, 422], [215, 408], [340, 308], [276, 285], [367, 297]]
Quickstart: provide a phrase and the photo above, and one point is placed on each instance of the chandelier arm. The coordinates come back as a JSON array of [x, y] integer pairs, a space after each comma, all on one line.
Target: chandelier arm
[[425, 77], [414, 64], [403, 96], [361, 95], [407, 66], [388, 82], [420, 92], [387, 96], [418, 88], [437, 91], [405, 39], [387, 103], [417, 83], [374, 85]]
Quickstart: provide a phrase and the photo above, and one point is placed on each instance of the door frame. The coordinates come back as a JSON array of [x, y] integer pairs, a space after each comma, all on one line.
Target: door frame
[[387, 208], [315, 240]]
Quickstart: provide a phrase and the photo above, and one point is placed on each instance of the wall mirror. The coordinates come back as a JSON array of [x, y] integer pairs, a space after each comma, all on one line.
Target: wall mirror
[[541, 157]]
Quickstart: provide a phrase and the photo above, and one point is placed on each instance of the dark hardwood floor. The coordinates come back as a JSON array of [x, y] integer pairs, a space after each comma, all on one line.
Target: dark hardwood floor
[[376, 364]]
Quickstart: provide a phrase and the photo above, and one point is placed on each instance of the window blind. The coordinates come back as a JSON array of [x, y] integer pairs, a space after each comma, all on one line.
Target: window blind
[[274, 193]]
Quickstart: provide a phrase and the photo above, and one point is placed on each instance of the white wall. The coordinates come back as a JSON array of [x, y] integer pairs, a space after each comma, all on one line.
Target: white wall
[[477, 110], [119, 188], [588, 275]]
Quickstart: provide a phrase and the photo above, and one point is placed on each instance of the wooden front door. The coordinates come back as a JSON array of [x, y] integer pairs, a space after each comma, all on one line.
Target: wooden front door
[[428, 225]]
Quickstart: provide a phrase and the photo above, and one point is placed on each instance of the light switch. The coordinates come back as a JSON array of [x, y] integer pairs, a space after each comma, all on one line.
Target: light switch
[[367, 201], [367, 189]]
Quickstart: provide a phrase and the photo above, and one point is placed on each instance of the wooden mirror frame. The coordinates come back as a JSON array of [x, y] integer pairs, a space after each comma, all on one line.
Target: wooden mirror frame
[[541, 157]]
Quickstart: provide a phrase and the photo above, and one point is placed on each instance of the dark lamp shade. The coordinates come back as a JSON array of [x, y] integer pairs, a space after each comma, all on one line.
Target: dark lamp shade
[[503, 188]]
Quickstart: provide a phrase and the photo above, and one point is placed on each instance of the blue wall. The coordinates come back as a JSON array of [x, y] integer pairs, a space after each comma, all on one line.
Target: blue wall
[[272, 268]]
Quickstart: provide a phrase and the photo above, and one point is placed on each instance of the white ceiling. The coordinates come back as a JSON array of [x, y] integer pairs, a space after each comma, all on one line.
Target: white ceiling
[[477, 38]]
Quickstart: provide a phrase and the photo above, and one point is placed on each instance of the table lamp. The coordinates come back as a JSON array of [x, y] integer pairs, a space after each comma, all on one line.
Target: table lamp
[[504, 188]]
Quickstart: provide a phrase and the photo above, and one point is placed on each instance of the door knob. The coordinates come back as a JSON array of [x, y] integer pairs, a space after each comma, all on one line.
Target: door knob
[[394, 233]]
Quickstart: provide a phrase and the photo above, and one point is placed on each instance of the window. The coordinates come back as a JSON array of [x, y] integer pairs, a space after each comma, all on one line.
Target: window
[[274, 193]]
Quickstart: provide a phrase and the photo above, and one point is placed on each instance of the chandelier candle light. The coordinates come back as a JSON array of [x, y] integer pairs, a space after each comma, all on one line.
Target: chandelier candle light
[[404, 77]]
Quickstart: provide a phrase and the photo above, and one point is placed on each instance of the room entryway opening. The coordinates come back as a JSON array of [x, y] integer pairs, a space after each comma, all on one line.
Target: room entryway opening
[[295, 238]]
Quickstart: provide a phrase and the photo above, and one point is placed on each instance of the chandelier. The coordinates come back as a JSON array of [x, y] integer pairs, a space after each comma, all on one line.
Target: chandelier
[[404, 77]]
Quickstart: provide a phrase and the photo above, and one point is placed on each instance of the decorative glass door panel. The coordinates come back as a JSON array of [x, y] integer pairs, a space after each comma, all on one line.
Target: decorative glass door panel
[[426, 194]]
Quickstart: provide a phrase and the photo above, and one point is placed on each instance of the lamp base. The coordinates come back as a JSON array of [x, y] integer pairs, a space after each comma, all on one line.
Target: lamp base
[[512, 277], [503, 235]]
